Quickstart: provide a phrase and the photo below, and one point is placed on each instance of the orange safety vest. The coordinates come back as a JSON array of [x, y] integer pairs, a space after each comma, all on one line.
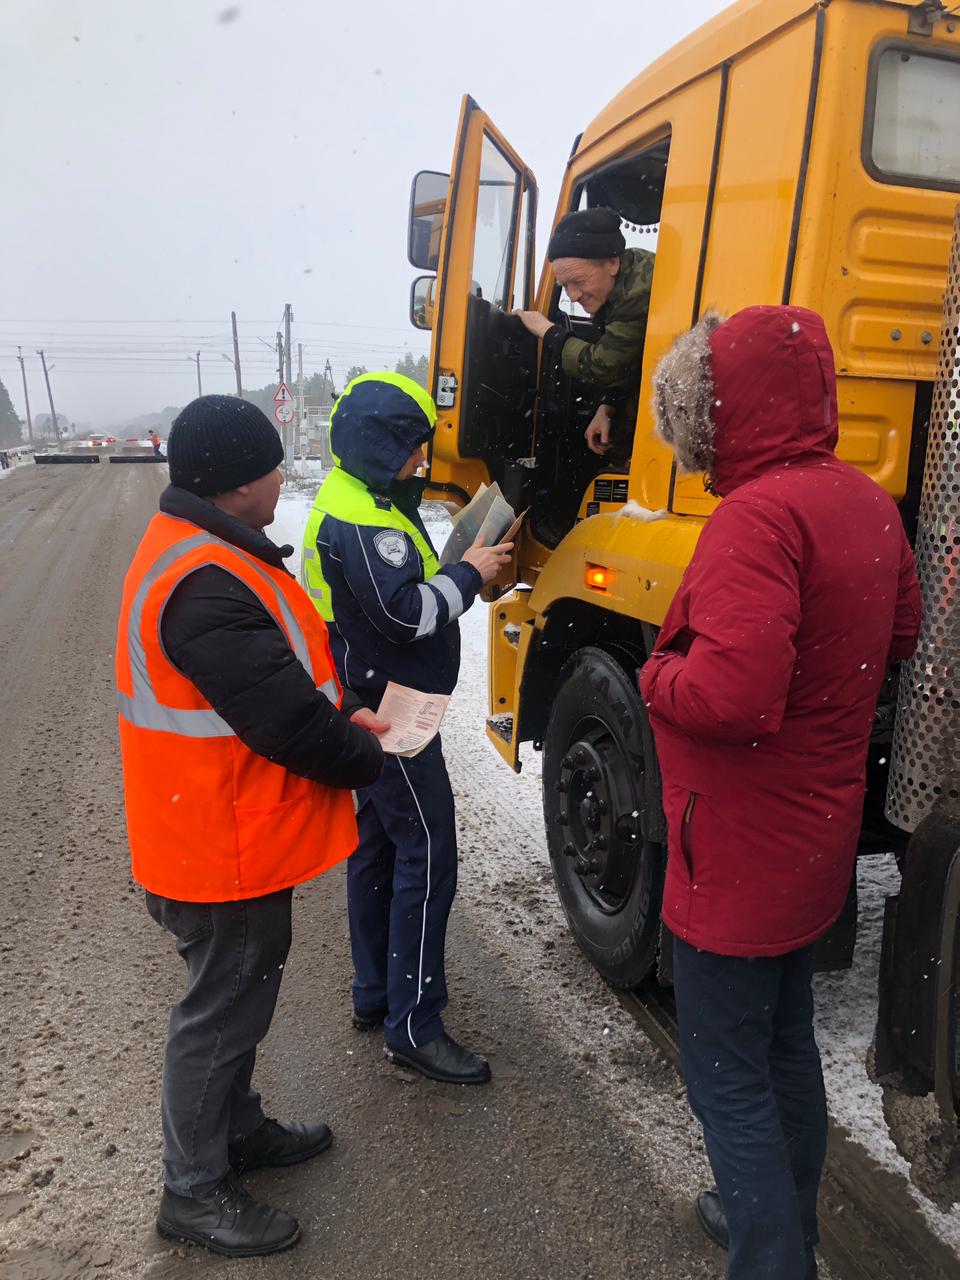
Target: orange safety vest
[[208, 819]]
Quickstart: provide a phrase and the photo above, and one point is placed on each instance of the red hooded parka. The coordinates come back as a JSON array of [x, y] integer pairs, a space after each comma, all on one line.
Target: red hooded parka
[[762, 690]]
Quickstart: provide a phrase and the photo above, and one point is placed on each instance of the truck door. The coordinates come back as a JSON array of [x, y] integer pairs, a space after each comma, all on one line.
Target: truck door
[[483, 363]]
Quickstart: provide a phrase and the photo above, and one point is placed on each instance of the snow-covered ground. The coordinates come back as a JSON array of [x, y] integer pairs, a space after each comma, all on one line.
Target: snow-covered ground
[[486, 791]]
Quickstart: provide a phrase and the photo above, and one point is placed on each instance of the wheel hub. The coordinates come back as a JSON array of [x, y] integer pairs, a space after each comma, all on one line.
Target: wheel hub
[[599, 817]]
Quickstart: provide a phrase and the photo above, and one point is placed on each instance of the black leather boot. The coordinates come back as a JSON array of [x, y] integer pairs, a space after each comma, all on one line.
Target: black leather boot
[[442, 1059], [226, 1220], [711, 1217], [367, 1021], [275, 1145]]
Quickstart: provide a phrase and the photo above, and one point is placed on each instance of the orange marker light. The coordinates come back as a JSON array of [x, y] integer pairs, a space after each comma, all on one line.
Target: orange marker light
[[597, 577]]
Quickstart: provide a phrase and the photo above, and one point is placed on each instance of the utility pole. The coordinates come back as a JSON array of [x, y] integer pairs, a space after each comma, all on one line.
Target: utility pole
[[279, 356], [26, 394], [199, 383], [290, 430], [236, 352], [53, 412], [288, 354], [300, 390]]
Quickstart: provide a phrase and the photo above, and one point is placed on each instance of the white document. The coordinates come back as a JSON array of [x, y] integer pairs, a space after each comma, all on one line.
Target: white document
[[489, 513], [414, 719]]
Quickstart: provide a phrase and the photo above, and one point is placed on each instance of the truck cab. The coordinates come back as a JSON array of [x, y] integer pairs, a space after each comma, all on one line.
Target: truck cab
[[786, 152]]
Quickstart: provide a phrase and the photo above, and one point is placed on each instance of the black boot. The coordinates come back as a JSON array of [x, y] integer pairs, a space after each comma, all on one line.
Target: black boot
[[226, 1220], [711, 1217], [275, 1145], [367, 1021], [442, 1059]]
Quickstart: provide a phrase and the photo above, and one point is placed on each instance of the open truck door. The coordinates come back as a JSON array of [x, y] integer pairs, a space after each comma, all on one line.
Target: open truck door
[[475, 230]]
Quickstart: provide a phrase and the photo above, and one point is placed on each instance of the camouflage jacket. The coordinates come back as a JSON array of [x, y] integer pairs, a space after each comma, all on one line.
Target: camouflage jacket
[[614, 359]]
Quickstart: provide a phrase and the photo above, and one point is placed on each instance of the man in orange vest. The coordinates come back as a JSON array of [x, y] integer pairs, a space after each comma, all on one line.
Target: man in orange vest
[[228, 695]]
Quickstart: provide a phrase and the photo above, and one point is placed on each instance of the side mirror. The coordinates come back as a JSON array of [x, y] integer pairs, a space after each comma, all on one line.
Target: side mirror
[[422, 301], [428, 202]]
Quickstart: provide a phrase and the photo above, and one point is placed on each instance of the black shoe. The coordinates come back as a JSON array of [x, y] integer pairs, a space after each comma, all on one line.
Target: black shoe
[[713, 1220], [442, 1059], [711, 1217], [368, 1021], [275, 1145], [227, 1221]]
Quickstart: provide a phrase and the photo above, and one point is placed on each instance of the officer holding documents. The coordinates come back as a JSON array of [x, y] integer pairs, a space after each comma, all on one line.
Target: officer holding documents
[[392, 612]]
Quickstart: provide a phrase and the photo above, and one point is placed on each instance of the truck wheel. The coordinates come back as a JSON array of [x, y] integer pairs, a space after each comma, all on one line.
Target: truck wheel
[[608, 875]]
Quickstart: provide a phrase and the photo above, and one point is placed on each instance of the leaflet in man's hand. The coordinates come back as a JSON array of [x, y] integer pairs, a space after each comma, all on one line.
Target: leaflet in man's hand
[[414, 719], [487, 513]]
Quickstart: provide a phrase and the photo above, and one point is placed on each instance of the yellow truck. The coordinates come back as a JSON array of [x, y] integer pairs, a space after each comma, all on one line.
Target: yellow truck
[[787, 151]]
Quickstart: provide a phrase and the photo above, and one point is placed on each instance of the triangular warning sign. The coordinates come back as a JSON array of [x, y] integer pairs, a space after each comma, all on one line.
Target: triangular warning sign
[[283, 394]]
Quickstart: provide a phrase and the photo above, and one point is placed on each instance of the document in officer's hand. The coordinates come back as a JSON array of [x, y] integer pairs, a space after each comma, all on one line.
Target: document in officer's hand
[[487, 513], [414, 719]]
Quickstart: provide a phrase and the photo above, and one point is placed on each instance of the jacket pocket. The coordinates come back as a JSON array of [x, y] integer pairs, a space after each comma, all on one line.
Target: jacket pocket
[[686, 846]]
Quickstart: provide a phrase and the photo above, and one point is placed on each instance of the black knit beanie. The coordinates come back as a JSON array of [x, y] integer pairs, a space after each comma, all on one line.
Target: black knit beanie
[[220, 442], [588, 233]]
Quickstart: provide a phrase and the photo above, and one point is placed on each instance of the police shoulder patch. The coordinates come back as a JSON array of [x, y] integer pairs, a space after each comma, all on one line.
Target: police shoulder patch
[[392, 547]]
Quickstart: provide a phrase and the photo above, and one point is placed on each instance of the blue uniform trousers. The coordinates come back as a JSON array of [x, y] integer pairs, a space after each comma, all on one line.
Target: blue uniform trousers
[[752, 1070], [400, 886]]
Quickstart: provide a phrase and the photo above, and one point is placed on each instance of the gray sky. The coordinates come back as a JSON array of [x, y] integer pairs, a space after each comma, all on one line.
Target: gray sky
[[168, 162]]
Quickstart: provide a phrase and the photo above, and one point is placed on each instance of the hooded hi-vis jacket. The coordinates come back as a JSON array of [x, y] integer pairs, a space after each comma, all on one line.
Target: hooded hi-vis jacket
[[225, 823], [368, 563]]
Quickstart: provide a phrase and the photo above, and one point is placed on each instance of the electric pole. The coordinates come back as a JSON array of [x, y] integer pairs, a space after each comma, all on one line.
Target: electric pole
[[290, 430], [327, 371], [199, 383], [236, 352], [279, 356], [300, 388], [53, 412], [26, 394], [288, 354]]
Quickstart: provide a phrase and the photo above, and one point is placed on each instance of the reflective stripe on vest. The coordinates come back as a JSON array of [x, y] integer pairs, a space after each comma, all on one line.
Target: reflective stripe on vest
[[346, 498], [143, 709]]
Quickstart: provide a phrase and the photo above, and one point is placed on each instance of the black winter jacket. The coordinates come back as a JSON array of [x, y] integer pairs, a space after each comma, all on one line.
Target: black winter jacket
[[217, 633]]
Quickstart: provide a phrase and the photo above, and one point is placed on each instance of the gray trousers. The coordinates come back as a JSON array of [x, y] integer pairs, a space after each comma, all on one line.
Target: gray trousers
[[235, 953]]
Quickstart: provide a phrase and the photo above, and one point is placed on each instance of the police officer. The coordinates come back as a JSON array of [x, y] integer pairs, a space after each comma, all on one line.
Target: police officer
[[392, 612], [228, 696]]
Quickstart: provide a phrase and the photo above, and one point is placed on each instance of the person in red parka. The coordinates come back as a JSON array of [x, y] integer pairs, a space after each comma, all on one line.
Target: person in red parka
[[761, 694]]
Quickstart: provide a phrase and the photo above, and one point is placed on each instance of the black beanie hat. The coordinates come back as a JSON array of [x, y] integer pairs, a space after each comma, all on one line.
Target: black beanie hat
[[220, 442], [588, 233]]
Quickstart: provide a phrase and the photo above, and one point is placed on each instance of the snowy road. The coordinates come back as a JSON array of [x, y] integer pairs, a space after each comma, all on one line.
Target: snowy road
[[579, 1161]]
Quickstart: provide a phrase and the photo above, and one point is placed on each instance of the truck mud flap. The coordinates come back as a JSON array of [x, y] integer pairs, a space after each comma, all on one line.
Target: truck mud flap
[[918, 1037], [66, 457]]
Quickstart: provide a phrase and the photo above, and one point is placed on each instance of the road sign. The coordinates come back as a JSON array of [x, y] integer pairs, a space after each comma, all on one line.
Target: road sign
[[284, 395], [285, 414]]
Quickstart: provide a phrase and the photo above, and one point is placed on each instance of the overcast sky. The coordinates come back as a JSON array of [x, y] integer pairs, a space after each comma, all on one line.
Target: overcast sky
[[165, 163]]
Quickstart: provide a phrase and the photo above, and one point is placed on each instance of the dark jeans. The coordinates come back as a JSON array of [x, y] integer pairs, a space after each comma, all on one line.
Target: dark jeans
[[752, 1070], [235, 953]]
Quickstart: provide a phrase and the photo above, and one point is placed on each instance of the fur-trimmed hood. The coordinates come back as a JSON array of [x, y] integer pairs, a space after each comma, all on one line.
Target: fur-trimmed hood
[[736, 397]]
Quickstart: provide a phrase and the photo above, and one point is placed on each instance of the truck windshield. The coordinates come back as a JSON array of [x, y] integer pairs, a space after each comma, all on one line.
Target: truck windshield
[[915, 108]]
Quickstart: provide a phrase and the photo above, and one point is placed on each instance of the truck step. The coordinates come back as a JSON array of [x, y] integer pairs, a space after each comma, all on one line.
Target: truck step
[[502, 726]]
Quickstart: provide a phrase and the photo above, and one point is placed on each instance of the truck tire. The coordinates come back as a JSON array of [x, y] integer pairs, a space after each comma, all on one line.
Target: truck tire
[[608, 875]]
